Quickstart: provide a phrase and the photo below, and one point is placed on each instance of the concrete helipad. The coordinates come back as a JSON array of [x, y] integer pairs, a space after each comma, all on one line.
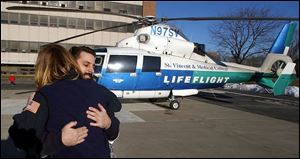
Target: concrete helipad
[[238, 126]]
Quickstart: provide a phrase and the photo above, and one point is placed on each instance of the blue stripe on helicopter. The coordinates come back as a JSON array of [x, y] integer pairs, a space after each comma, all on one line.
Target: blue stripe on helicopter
[[284, 38], [170, 79]]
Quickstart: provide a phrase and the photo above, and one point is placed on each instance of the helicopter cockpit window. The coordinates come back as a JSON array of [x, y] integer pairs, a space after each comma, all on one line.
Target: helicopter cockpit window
[[151, 64], [121, 63], [99, 63]]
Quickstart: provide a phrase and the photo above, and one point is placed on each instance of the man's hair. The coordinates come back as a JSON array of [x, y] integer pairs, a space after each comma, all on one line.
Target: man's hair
[[53, 63], [76, 50]]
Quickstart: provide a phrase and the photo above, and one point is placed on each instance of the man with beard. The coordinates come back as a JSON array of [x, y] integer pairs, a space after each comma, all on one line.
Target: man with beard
[[86, 57]]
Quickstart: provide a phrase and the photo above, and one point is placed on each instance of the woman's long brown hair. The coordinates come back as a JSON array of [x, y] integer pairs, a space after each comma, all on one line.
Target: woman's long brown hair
[[53, 63]]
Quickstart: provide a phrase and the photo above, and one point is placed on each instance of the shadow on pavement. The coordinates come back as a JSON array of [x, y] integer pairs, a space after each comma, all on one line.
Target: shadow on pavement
[[215, 97]]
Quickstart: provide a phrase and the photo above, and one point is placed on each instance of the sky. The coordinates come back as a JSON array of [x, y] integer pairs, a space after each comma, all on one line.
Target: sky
[[198, 31]]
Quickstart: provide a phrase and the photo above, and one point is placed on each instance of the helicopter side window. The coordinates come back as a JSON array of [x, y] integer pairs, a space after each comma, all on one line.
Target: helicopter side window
[[121, 63], [99, 63], [151, 64]]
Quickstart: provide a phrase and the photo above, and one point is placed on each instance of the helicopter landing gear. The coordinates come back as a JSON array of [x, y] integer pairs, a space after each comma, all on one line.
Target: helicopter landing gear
[[174, 104]]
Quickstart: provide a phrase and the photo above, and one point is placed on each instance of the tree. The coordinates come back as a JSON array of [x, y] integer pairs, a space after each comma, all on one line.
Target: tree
[[245, 38]]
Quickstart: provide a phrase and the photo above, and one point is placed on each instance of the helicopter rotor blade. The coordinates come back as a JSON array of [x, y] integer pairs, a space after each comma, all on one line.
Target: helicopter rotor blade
[[24, 92], [30, 8], [76, 36], [229, 18]]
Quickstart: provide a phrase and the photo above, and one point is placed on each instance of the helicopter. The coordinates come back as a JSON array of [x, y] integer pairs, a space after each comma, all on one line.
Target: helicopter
[[158, 61]]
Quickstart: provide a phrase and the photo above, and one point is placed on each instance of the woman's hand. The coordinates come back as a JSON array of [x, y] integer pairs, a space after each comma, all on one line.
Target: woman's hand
[[102, 120], [72, 136]]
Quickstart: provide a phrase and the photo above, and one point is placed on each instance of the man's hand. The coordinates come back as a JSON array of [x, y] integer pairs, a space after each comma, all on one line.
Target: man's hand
[[73, 136], [100, 117]]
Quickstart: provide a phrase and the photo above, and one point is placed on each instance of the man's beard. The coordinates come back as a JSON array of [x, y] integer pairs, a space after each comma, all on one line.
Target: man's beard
[[87, 76]]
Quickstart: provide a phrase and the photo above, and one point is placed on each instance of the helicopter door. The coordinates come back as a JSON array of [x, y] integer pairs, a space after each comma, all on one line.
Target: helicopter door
[[149, 77], [120, 75]]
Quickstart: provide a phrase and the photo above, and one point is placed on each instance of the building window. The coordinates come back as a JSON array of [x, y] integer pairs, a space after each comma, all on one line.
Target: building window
[[53, 3], [24, 19], [33, 47], [107, 24], [130, 9], [98, 24], [106, 6], [122, 8], [62, 22], [151, 64], [4, 18], [71, 4], [139, 10], [4, 46], [115, 24], [34, 2], [80, 4], [13, 46], [13, 18], [89, 24], [121, 63], [24, 47], [99, 5], [114, 7], [71, 23], [130, 29], [34, 20], [123, 29], [53, 21], [41, 45], [80, 23], [43, 20], [90, 5]]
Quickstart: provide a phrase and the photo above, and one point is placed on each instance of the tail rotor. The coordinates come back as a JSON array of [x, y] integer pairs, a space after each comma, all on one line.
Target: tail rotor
[[277, 68]]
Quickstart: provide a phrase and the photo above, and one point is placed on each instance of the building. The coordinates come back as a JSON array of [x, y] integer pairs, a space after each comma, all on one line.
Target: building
[[24, 32]]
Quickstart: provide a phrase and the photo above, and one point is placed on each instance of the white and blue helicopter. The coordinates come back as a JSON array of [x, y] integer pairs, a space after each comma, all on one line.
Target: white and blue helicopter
[[158, 61]]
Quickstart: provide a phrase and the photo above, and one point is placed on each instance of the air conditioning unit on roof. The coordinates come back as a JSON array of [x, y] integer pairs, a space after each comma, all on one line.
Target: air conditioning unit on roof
[[44, 3], [63, 5], [24, 2], [80, 7]]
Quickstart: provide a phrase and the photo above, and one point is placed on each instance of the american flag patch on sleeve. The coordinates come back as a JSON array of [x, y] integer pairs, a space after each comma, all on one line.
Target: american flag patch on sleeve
[[33, 106]]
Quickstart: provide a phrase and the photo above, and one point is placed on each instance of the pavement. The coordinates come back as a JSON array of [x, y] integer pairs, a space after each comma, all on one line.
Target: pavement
[[224, 124]]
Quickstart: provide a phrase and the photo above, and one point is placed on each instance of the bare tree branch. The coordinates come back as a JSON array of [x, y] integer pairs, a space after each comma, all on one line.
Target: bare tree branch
[[245, 38]]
